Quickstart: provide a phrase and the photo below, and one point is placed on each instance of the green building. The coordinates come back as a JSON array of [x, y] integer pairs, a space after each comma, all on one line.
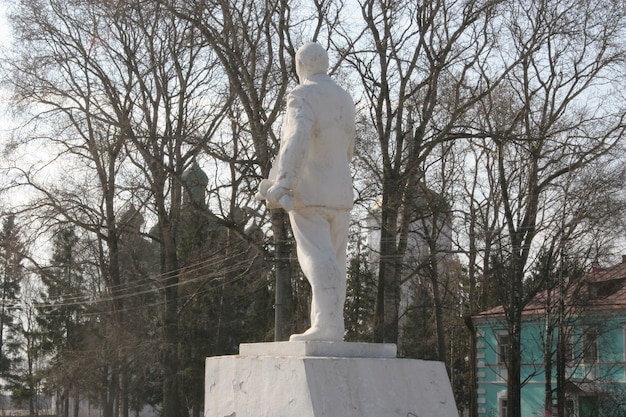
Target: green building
[[583, 324]]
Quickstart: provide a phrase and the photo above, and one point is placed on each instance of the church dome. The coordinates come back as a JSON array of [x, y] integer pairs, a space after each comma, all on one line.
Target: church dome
[[194, 182], [194, 176]]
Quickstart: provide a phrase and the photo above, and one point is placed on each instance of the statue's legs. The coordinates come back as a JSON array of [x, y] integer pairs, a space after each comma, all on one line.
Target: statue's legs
[[322, 237]]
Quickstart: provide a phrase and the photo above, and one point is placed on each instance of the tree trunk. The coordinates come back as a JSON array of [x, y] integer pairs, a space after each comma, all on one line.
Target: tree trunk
[[171, 394], [548, 370], [514, 366], [66, 405], [124, 394], [386, 322], [548, 352], [441, 331], [473, 403], [561, 357], [76, 404]]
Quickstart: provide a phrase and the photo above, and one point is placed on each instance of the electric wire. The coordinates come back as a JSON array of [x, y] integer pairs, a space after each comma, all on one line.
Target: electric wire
[[155, 278], [220, 267]]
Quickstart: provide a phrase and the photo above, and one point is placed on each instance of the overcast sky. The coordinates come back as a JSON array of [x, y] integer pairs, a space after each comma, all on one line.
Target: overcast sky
[[4, 41], [4, 26]]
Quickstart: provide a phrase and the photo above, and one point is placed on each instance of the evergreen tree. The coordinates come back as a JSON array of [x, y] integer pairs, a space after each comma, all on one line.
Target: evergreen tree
[[25, 383], [360, 300], [11, 275], [60, 316]]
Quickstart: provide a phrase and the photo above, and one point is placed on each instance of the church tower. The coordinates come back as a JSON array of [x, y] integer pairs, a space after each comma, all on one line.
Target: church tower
[[194, 183]]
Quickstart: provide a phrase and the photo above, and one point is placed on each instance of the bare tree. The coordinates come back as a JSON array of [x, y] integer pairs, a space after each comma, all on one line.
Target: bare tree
[[418, 69], [541, 126], [57, 79], [118, 87]]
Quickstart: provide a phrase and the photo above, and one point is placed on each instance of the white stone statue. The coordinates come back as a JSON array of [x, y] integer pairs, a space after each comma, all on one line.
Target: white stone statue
[[311, 180]]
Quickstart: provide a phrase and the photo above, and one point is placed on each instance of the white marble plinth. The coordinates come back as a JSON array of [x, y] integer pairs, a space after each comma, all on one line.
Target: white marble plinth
[[293, 379]]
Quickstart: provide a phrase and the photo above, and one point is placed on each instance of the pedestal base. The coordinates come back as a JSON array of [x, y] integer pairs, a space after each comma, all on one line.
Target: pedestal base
[[291, 379]]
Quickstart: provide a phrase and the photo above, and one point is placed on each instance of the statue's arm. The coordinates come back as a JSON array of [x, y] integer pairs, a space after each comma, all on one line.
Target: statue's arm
[[295, 141]]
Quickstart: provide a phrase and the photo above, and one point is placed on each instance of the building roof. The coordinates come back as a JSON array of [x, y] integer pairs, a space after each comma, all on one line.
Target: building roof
[[598, 290]]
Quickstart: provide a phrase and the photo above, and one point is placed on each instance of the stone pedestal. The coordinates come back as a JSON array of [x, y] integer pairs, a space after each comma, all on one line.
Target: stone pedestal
[[325, 379]]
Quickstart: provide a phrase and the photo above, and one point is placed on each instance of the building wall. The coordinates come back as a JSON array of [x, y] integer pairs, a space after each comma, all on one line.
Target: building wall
[[604, 379], [492, 373]]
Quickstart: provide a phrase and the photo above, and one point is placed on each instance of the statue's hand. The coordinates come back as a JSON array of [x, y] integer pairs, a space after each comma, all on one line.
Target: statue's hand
[[262, 191], [275, 193]]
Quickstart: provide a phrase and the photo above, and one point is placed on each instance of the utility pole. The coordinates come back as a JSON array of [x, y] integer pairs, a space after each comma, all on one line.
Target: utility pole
[[282, 300]]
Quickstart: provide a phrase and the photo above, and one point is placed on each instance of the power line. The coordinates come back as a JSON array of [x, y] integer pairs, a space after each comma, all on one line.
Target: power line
[[223, 266]]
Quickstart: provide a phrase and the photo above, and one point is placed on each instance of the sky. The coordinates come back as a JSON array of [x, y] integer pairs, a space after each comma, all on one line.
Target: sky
[[5, 37], [4, 26]]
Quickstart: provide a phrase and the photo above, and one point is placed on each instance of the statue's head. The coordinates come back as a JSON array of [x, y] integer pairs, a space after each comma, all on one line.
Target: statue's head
[[311, 59]]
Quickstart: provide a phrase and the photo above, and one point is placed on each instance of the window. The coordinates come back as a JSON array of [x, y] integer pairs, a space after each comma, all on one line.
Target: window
[[503, 348], [502, 406], [590, 344]]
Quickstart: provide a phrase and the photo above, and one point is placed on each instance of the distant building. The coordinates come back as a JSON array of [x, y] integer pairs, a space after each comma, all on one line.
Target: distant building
[[430, 231], [591, 317], [194, 181]]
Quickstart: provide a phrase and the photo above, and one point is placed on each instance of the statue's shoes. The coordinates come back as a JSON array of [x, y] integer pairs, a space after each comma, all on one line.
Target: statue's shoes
[[318, 334]]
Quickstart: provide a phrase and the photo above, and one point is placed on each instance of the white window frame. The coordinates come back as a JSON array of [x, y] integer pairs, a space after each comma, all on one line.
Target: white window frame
[[501, 355], [502, 404], [502, 349]]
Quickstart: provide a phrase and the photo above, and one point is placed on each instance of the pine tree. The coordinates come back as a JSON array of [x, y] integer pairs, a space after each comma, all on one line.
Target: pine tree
[[360, 300], [11, 275], [60, 316]]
